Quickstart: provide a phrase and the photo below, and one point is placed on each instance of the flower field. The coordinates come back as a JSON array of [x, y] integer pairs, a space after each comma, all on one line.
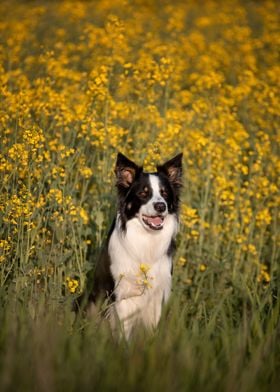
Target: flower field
[[82, 80]]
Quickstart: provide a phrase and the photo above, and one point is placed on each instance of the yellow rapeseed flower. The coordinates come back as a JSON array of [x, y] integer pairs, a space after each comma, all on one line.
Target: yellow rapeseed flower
[[144, 267], [202, 267], [182, 261], [263, 276], [72, 284], [120, 85]]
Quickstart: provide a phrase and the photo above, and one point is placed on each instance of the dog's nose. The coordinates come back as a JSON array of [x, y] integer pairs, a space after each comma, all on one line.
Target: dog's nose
[[159, 207]]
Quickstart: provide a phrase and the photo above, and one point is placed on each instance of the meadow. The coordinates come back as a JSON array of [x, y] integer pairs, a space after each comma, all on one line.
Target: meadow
[[82, 80]]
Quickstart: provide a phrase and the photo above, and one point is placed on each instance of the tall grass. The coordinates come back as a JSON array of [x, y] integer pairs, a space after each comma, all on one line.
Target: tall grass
[[83, 80], [212, 340]]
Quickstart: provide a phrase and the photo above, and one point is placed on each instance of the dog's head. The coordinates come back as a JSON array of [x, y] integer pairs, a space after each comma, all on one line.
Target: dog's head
[[150, 197]]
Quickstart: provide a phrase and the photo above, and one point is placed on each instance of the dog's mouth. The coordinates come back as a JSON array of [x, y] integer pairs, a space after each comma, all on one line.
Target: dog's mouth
[[153, 222]]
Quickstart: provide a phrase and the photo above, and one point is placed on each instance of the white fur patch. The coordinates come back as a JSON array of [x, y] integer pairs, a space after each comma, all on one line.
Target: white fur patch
[[139, 295], [148, 208]]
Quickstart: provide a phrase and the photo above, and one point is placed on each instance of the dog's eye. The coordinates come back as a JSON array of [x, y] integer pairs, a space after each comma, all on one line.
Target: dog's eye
[[143, 194], [163, 193]]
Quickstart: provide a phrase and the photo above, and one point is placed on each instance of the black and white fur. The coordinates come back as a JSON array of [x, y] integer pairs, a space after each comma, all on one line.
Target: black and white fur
[[142, 233]]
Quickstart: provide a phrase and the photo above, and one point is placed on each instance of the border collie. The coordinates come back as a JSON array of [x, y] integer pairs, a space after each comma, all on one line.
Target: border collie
[[133, 273]]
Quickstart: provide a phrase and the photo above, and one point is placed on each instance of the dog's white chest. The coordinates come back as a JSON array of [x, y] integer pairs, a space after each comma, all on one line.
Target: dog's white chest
[[141, 269]]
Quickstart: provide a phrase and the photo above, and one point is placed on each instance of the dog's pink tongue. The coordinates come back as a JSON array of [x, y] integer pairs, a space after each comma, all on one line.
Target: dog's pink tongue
[[155, 220]]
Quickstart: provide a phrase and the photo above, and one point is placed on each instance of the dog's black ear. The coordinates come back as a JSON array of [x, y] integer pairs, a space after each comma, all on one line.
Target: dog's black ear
[[126, 171], [173, 170]]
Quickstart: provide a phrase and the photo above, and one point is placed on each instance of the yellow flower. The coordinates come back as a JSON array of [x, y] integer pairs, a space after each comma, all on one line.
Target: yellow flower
[[182, 261], [202, 267], [72, 284], [264, 276], [145, 279], [84, 215], [86, 172], [263, 217], [144, 268], [56, 195], [189, 216], [5, 245], [146, 283]]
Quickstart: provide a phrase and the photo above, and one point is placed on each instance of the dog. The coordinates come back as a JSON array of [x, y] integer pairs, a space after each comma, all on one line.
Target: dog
[[134, 270]]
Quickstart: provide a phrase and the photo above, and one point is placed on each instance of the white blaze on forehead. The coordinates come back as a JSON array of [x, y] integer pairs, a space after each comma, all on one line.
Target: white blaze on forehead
[[155, 185]]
